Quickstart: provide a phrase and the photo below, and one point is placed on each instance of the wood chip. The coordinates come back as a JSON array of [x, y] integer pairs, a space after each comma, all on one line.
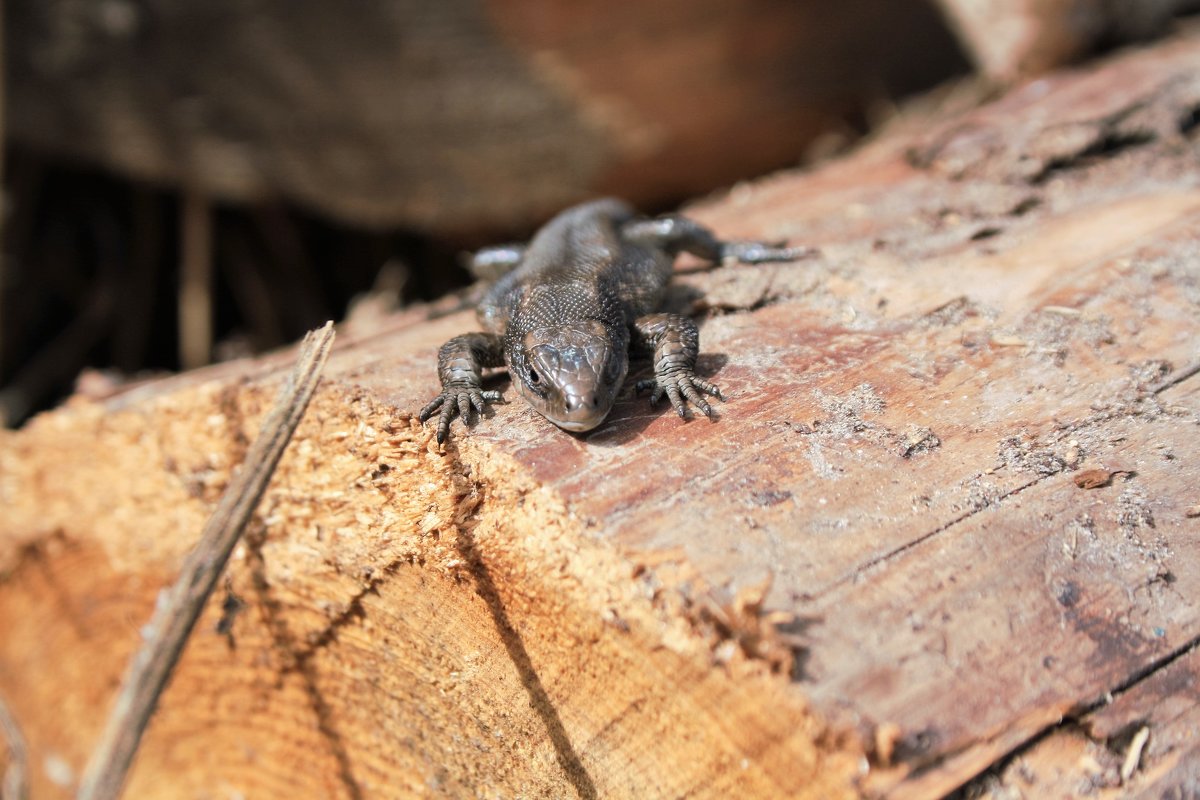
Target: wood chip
[[887, 736], [1133, 756], [1096, 478]]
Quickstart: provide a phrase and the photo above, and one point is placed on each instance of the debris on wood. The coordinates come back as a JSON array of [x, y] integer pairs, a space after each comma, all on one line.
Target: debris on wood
[[1098, 478], [1134, 756]]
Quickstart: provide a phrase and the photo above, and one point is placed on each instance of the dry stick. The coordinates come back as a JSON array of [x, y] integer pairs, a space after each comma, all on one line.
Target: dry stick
[[14, 785], [195, 280], [180, 607], [65, 355]]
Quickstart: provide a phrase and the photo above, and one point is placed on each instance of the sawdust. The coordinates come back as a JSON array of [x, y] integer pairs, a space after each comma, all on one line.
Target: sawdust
[[1025, 453]]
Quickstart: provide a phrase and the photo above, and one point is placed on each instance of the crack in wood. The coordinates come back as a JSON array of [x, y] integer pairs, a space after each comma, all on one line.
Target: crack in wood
[[1073, 719], [34, 555], [1176, 378], [1126, 411], [352, 613], [878, 562], [1108, 143]]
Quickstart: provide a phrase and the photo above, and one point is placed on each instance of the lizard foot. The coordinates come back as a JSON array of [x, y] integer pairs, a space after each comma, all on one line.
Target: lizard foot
[[457, 400], [681, 387]]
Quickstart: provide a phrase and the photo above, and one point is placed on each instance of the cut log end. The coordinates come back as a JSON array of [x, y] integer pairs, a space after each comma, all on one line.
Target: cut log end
[[399, 620]]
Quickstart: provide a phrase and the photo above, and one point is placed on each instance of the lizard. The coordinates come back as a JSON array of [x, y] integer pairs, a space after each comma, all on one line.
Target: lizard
[[566, 308]]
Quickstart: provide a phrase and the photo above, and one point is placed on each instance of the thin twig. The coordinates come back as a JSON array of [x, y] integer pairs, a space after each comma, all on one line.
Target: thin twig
[[14, 785], [195, 280], [181, 605], [1175, 378]]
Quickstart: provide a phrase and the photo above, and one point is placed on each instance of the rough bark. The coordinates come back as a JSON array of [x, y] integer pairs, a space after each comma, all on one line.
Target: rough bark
[[947, 520]]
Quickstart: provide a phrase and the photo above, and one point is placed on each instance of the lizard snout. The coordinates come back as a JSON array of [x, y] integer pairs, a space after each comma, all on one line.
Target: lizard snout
[[581, 403], [582, 409]]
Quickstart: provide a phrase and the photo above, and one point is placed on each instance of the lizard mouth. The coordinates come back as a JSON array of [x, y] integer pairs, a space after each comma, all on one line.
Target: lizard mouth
[[577, 409], [577, 427]]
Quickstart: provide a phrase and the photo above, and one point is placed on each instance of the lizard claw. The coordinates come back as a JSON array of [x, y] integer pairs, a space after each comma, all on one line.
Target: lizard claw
[[457, 400], [682, 387]]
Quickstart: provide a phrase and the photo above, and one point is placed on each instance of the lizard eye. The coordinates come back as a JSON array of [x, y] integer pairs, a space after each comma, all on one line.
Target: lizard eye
[[534, 377]]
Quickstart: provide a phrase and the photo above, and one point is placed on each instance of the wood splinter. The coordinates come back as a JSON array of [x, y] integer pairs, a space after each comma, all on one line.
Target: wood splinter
[[1133, 756], [182, 603], [13, 782]]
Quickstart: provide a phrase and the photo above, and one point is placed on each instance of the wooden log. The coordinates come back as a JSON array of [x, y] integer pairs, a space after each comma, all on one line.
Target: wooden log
[[459, 115], [1009, 40], [945, 530]]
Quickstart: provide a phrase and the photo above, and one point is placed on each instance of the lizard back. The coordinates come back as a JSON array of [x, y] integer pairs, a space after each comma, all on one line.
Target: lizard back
[[578, 267]]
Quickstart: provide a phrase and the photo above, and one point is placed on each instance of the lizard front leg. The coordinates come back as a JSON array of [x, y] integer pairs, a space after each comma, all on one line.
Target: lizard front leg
[[461, 362], [675, 342]]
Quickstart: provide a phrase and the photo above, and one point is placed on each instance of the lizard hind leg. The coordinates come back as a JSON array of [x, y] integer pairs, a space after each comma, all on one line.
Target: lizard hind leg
[[492, 263], [675, 234], [675, 342]]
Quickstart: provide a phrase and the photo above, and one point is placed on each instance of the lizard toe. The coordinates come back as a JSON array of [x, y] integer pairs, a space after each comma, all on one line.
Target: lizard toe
[[456, 402], [695, 398], [677, 401], [708, 388], [443, 428], [431, 407], [682, 389]]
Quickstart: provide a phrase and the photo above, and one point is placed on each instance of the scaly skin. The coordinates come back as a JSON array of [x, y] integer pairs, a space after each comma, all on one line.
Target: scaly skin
[[567, 307]]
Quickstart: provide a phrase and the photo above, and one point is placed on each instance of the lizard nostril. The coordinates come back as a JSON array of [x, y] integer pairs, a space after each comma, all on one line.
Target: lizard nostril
[[580, 402]]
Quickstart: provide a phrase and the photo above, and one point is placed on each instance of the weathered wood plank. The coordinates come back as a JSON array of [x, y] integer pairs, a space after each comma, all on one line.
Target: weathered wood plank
[[1008, 40], [1032, 608]]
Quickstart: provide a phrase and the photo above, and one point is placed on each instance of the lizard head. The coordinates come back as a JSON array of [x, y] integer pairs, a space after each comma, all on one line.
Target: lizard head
[[570, 373]]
